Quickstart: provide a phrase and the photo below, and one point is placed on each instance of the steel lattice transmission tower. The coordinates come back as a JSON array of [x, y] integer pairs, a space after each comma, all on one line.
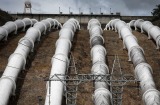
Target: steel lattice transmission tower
[[27, 7]]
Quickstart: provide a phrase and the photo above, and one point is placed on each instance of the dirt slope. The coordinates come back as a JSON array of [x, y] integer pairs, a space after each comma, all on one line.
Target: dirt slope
[[31, 84]]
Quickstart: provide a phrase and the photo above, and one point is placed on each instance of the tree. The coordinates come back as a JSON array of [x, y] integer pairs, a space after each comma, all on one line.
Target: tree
[[156, 12]]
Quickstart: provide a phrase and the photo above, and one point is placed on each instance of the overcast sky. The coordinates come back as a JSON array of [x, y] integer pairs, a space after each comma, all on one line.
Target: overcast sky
[[125, 7]]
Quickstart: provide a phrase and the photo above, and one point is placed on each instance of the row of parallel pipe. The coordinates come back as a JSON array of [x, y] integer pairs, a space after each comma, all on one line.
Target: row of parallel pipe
[[60, 62], [147, 27], [143, 71], [10, 27], [17, 60], [102, 95]]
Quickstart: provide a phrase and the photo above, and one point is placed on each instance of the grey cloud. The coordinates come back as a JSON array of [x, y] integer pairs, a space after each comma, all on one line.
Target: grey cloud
[[126, 7]]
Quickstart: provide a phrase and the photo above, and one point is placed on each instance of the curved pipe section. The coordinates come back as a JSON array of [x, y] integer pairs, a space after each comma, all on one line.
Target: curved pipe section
[[149, 28], [110, 24], [10, 26], [143, 71], [17, 60], [60, 62], [102, 94]]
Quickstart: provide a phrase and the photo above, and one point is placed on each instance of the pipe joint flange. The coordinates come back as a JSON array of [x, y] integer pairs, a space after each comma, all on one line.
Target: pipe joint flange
[[49, 28], [15, 32], [39, 33], [30, 40], [96, 36], [79, 27], [66, 58], [100, 47], [31, 23], [150, 92], [119, 31], [24, 25], [102, 91], [106, 27], [50, 25], [55, 22], [150, 30], [69, 24], [101, 64], [157, 41], [115, 25], [144, 23], [72, 33], [16, 28], [92, 27], [131, 22], [34, 20], [77, 23], [66, 40], [74, 22], [124, 46], [91, 21], [74, 27], [142, 64], [60, 25], [109, 25], [135, 24], [149, 36], [24, 58], [45, 27], [6, 31], [13, 82], [129, 51]]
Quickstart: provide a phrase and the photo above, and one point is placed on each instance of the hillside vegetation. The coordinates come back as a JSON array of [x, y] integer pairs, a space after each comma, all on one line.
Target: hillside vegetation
[[4, 17]]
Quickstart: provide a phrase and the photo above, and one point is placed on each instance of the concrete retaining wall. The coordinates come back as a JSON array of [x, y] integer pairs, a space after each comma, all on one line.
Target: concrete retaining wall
[[83, 19]]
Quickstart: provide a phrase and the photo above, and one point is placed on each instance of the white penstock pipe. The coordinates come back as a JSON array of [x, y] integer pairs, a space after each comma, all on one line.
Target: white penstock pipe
[[60, 62], [143, 71], [102, 94], [17, 60], [147, 27], [10, 26], [110, 24]]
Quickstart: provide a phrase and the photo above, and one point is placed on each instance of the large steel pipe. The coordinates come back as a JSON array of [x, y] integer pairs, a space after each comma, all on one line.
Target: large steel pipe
[[138, 23], [93, 22], [17, 60], [149, 28], [96, 40], [111, 24], [10, 26], [143, 71], [60, 62], [102, 94], [131, 23], [95, 30], [108, 25]]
